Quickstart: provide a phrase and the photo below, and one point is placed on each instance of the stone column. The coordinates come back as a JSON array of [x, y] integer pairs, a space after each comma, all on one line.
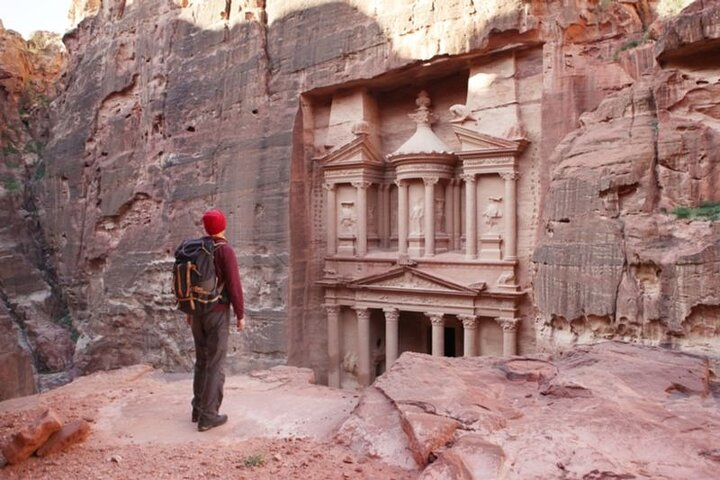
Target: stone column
[[449, 213], [470, 216], [402, 216], [509, 327], [363, 344], [430, 215], [384, 214], [438, 333], [457, 223], [361, 188], [469, 323], [510, 215], [333, 328], [392, 317], [331, 219]]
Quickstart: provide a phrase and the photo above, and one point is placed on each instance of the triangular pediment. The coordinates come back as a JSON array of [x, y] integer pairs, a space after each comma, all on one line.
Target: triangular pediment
[[357, 153], [413, 280], [472, 140]]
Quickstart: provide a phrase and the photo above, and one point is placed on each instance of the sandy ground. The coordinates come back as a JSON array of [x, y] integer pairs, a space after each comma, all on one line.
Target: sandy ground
[[280, 427]]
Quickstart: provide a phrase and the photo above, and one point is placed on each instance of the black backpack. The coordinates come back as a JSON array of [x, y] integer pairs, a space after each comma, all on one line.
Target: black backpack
[[194, 280]]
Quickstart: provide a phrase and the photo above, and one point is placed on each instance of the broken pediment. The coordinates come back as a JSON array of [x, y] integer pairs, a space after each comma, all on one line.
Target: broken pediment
[[414, 280], [483, 144], [360, 152]]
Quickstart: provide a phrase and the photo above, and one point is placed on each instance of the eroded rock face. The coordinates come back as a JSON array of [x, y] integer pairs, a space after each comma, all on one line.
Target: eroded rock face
[[610, 410], [629, 268], [174, 106], [36, 337]]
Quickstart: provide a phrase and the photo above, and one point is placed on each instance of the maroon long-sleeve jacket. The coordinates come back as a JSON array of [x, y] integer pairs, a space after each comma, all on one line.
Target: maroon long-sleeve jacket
[[226, 269]]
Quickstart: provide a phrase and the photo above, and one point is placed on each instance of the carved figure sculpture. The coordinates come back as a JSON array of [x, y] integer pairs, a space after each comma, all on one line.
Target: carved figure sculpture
[[347, 217], [439, 214], [350, 363], [417, 213], [493, 211], [461, 113]]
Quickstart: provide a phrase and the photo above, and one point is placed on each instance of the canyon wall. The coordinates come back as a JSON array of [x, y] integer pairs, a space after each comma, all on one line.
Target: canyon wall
[[36, 344], [614, 240], [170, 107]]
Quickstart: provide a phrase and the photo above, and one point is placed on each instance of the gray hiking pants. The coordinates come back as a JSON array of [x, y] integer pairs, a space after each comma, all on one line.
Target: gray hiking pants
[[210, 332]]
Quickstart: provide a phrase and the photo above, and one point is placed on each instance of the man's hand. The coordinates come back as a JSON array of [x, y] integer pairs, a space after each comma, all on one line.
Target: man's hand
[[241, 324]]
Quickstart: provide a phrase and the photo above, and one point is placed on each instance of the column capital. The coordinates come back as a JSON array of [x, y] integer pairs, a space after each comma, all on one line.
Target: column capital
[[400, 183], [508, 324], [468, 321], [510, 175], [361, 185], [362, 312], [430, 181], [468, 177], [329, 186], [331, 308], [391, 314], [437, 319]]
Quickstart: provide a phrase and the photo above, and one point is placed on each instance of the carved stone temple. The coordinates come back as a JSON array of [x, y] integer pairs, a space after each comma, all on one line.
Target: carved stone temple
[[421, 240]]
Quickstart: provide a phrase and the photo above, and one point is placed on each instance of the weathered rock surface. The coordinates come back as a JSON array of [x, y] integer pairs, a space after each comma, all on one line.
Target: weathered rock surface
[[70, 434], [611, 410], [24, 443], [17, 373], [35, 333], [612, 260]]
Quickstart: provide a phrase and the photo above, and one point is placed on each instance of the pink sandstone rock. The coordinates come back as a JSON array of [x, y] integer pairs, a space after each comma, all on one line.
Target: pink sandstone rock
[[470, 458], [70, 434], [426, 432], [611, 410], [25, 442], [375, 429]]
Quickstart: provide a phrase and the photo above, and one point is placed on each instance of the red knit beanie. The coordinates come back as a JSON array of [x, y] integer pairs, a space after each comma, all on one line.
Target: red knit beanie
[[214, 221]]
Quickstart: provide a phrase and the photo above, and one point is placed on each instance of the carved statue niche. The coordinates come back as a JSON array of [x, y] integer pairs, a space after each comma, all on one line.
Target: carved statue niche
[[439, 214], [493, 212], [348, 219], [417, 214]]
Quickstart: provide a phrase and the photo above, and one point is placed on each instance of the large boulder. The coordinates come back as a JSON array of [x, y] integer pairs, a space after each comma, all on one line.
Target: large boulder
[[611, 410]]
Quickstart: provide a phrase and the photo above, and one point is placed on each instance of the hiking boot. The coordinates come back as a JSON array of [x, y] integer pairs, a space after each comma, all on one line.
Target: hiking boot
[[195, 415], [206, 424]]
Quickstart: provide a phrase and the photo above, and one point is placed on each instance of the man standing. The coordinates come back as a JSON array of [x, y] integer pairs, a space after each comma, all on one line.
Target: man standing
[[211, 330]]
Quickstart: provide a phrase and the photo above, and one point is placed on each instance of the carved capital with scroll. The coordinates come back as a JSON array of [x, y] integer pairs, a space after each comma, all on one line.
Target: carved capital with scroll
[[508, 324]]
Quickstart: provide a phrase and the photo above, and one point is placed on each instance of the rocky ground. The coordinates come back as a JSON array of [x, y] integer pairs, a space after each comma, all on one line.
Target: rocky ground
[[609, 411], [280, 426]]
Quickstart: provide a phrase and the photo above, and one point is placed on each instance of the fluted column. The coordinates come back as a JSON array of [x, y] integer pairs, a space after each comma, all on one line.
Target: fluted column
[[361, 188], [510, 215], [402, 216], [509, 328], [470, 216], [333, 328], [392, 316], [438, 333], [331, 219], [430, 215], [457, 223], [469, 323]]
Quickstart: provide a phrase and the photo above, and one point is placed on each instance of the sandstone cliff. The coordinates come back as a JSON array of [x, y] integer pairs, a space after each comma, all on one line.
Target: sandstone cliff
[[36, 334], [172, 106], [613, 239]]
